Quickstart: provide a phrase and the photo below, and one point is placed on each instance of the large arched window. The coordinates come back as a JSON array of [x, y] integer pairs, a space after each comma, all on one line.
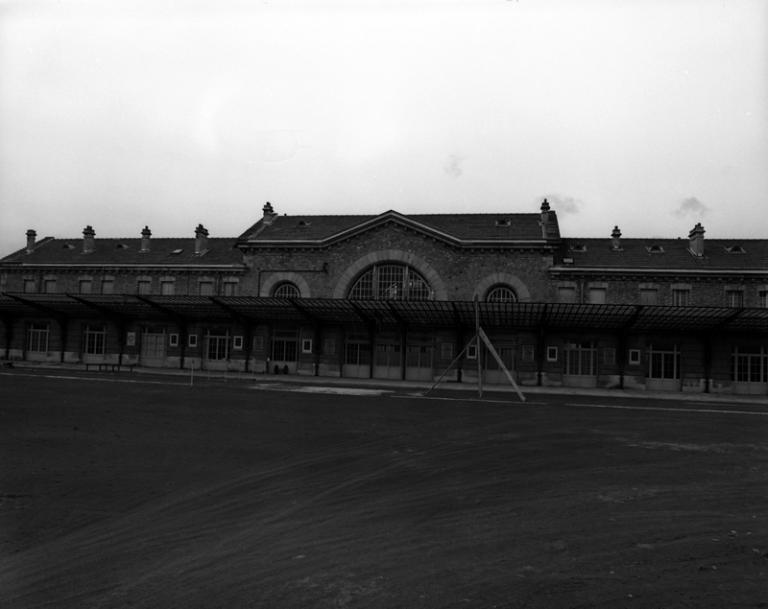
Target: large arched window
[[501, 293], [286, 289], [390, 281]]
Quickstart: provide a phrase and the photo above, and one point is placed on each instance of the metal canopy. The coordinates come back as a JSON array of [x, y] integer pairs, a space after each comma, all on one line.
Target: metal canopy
[[390, 314]]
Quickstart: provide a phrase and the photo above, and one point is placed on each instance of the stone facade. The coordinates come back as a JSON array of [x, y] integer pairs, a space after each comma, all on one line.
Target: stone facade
[[58, 306]]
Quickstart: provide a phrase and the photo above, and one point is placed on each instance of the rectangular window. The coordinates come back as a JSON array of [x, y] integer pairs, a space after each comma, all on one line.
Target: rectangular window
[[30, 286], [192, 341], [649, 296], [664, 363], [507, 355], [749, 365], [597, 295], [205, 288], [167, 287], [49, 286], [357, 354], [173, 340], [581, 358], [284, 349], [218, 347], [237, 343], [552, 354], [306, 345], [734, 298], [85, 286], [472, 351], [762, 299], [634, 356], [107, 286], [680, 297], [566, 294], [529, 353], [230, 288], [388, 354], [144, 286], [37, 338], [95, 340]]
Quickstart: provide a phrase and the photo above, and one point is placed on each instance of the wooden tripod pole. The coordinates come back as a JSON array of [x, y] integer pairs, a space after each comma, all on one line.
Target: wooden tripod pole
[[477, 350]]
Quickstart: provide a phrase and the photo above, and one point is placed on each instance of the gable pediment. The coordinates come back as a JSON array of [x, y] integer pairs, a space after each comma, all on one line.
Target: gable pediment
[[453, 229]]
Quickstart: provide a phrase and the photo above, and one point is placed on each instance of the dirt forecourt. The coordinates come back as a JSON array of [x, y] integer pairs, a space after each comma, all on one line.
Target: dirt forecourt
[[230, 495]]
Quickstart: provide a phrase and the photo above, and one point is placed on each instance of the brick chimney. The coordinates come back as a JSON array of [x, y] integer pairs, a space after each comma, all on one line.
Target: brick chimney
[[696, 240], [616, 239], [269, 214], [89, 239], [145, 235], [31, 235], [548, 222], [201, 240]]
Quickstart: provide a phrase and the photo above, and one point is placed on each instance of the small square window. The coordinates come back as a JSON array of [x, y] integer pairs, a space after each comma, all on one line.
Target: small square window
[[472, 351], [237, 343], [634, 356], [551, 354], [173, 340], [306, 345], [192, 341]]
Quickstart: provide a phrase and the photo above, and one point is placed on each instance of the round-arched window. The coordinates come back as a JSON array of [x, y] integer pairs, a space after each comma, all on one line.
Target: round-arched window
[[501, 293], [286, 289], [390, 281]]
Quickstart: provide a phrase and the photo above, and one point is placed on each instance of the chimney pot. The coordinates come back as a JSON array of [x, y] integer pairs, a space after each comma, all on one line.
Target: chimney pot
[[201, 240], [616, 238], [696, 240], [145, 235], [31, 235], [269, 214], [89, 240]]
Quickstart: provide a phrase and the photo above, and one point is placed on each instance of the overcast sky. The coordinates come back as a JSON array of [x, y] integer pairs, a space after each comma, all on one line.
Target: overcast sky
[[649, 114]]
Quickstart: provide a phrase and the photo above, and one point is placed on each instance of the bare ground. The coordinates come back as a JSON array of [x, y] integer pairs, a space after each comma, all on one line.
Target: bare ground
[[139, 495]]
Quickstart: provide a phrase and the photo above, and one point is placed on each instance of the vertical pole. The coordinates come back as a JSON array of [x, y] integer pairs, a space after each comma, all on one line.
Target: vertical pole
[[477, 347]]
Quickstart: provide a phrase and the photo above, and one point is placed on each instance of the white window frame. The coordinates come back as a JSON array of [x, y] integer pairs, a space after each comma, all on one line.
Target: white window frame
[[38, 336], [552, 353], [306, 345], [192, 341], [173, 340], [237, 343]]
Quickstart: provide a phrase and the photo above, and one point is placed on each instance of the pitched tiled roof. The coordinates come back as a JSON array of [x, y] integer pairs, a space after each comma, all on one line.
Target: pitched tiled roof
[[163, 251], [463, 227], [667, 254]]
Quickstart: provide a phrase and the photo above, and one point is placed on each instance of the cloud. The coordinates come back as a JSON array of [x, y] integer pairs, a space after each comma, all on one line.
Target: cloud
[[691, 207], [565, 205], [453, 166]]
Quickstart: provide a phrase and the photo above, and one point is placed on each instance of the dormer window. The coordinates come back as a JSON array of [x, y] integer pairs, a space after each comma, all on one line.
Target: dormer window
[[735, 249], [68, 246], [176, 252], [578, 247], [303, 223], [503, 222], [122, 246], [655, 249]]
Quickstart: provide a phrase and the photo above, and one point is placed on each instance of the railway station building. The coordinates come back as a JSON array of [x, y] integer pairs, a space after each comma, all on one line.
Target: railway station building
[[396, 296]]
